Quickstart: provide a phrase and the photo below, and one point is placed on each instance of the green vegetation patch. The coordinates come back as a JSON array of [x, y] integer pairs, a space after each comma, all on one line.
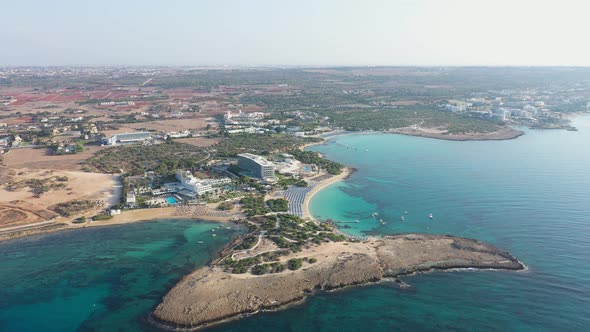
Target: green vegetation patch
[[295, 263], [278, 205], [164, 159], [242, 265], [248, 243], [74, 207], [80, 220], [286, 182], [312, 157], [260, 269], [225, 206], [261, 144], [100, 217], [254, 205]]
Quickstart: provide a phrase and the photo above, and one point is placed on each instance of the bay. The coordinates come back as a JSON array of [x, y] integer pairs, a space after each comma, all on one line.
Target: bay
[[100, 278], [529, 196]]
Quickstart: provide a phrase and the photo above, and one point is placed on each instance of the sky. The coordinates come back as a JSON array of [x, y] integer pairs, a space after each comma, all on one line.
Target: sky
[[300, 33]]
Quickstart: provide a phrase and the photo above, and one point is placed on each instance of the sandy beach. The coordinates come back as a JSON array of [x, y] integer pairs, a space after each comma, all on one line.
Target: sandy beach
[[346, 172], [130, 216], [126, 217]]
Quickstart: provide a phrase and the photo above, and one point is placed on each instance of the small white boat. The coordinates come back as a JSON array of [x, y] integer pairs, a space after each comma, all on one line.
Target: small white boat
[[200, 242], [214, 235], [430, 216], [403, 218], [406, 212]]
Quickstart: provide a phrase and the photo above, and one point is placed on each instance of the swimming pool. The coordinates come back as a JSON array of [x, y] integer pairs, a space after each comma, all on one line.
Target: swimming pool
[[171, 200]]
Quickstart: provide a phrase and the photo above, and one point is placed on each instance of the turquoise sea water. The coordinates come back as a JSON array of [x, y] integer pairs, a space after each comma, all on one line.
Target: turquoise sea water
[[530, 196], [99, 279]]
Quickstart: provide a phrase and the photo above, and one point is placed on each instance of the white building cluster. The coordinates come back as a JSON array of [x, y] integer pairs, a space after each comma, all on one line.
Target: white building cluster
[[244, 122], [456, 106], [128, 138], [174, 134], [289, 166], [199, 186], [117, 103]]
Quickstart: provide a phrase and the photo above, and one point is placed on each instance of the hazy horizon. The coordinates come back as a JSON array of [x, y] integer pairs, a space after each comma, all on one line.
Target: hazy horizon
[[297, 34]]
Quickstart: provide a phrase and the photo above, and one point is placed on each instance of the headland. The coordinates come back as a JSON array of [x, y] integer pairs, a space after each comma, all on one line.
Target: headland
[[504, 133], [211, 295]]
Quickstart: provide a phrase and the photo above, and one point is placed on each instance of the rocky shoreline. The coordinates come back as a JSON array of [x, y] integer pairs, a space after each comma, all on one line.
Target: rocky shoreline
[[506, 133], [26, 232], [210, 295], [501, 135]]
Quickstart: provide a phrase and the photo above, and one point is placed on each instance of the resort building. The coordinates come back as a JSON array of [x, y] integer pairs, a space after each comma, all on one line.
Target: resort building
[[131, 200], [16, 141], [199, 186], [242, 118], [128, 138], [289, 166], [117, 103], [248, 130], [174, 134], [501, 114], [114, 212], [256, 166]]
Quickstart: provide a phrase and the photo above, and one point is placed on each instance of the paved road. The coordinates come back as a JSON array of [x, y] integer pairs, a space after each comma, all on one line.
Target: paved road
[[22, 227]]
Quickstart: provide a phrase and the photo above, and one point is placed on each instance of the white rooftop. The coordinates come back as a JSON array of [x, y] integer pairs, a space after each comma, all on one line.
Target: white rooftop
[[258, 159]]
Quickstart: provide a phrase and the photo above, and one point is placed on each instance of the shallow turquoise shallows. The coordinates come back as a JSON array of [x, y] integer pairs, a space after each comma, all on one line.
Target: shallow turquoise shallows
[[530, 196], [99, 279]]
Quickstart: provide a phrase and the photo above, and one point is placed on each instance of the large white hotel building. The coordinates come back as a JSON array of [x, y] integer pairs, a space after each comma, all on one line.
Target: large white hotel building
[[257, 166]]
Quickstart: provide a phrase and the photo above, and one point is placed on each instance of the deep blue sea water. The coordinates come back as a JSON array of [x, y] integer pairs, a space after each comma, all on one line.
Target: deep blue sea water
[[530, 196]]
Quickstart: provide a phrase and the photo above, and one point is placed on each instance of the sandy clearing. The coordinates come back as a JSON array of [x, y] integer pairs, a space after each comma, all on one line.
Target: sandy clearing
[[81, 185], [198, 141], [42, 159]]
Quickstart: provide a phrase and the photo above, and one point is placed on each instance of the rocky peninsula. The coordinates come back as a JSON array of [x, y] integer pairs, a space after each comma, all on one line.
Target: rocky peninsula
[[504, 133], [211, 294]]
